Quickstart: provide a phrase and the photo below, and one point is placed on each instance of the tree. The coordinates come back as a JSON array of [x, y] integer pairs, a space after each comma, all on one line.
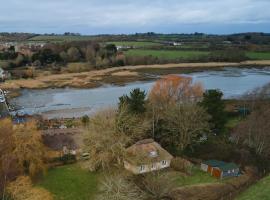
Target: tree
[[46, 56], [29, 150], [135, 126], [135, 102], [117, 187], [90, 54], [21, 151], [171, 90], [182, 126], [9, 168], [103, 142], [174, 89], [214, 105], [73, 54], [110, 50], [157, 185], [85, 120], [19, 60], [64, 56]]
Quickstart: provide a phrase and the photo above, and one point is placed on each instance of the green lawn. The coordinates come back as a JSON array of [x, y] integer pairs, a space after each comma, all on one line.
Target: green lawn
[[135, 43], [259, 191], [167, 54], [197, 177], [258, 55], [70, 183]]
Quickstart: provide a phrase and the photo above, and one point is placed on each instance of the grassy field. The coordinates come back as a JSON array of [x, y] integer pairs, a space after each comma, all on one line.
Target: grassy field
[[135, 44], [70, 183], [258, 55], [259, 191], [60, 38], [167, 54], [197, 177]]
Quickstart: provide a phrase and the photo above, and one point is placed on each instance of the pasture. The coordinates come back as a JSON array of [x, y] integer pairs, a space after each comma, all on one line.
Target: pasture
[[135, 44], [167, 54], [258, 55]]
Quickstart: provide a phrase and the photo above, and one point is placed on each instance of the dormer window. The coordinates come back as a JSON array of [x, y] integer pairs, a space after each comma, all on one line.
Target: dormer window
[[153, 154]]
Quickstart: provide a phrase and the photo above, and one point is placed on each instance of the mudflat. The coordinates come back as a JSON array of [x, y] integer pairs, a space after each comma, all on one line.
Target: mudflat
[[114, 75]]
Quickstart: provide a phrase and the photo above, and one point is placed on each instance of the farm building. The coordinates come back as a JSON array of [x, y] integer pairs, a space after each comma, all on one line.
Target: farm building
[[146, 156], [220, 169]]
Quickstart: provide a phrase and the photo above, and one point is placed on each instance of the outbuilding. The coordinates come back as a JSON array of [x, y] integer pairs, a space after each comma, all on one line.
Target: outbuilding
[[220, 169]]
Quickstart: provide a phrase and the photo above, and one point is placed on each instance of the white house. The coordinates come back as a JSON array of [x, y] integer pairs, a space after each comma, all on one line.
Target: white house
[[146, 156], [2, 74]]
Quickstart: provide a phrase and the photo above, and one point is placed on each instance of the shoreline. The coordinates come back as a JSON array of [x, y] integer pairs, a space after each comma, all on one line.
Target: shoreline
[[118, 75]]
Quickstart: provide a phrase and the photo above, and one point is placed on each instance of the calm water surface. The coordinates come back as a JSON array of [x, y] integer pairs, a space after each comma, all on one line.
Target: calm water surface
[[56, 103]]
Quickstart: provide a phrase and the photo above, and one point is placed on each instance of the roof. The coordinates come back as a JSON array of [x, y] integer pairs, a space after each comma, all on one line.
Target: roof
[[228, 166], [221, 165], [214, 163], [146, 152]]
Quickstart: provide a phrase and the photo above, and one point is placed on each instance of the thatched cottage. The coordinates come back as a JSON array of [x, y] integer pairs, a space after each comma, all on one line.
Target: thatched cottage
[[146, 156]]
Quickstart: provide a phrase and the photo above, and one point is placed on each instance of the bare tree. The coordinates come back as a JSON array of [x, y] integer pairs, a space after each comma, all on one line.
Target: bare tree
[[157, 185], [118, 187], [185, 123], [103, 142]]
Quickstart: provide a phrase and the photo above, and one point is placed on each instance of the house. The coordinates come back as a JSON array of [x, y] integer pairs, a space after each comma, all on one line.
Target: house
[[220, 169], [146, 156], [4, 75]]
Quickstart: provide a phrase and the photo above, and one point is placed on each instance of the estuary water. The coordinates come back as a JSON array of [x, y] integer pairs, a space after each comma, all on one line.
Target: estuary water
[[69, 102]]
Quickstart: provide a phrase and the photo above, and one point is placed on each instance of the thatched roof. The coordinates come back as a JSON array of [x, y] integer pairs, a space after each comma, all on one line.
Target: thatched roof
[[146, 152]]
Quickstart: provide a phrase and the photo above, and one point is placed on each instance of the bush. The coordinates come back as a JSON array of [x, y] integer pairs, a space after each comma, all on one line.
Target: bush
[[22, 189], [182, 165], [78, 67]]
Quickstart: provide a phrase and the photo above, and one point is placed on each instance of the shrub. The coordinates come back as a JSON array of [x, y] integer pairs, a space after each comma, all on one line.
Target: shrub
[[182, 165], [22, 189], [78, 67]]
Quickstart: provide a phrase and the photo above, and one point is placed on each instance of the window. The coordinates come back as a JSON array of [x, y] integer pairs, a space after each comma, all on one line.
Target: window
[[142, 168], [153, 166], [164, 162]]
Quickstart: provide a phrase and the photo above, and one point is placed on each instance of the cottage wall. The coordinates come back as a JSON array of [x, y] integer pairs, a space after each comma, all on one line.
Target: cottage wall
[[147, 167]]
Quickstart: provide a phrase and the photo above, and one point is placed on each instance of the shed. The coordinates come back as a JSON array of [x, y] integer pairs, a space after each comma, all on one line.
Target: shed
[[229, 170], [220, 169], [209, 164]]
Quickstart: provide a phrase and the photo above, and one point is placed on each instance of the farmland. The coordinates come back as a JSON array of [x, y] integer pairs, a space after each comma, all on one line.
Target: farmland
[[258, 55], [135, 43], [167, 54], [62, 38]]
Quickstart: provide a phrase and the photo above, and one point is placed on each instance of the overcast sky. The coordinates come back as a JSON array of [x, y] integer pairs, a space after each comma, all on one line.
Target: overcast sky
[[130, 16]]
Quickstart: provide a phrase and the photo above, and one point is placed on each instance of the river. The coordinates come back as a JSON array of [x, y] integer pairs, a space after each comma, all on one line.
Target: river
[[69, 102]]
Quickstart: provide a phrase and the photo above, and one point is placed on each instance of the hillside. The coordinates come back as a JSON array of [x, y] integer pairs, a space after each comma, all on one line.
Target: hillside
[[259, 191]]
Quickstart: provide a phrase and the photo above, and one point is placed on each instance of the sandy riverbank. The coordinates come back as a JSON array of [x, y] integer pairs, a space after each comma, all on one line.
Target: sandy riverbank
[[116, 75]]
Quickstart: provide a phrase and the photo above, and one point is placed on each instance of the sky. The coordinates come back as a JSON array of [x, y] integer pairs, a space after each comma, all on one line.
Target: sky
[[131, 16]]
